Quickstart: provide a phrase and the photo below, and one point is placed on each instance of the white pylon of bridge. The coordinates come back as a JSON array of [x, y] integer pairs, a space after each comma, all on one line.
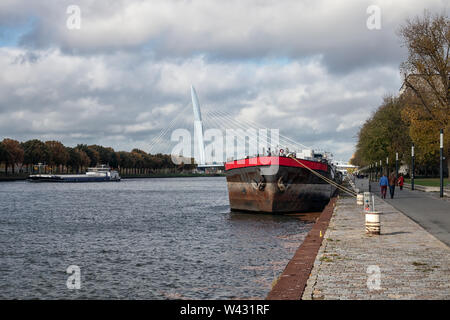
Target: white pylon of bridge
[[199, 145]]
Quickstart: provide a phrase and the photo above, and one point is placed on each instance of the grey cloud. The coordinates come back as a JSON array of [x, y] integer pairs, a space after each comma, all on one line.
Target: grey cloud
[[231, 30]]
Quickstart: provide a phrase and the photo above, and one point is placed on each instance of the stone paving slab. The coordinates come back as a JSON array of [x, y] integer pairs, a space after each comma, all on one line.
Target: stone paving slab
[[412, 263], [292, 282]]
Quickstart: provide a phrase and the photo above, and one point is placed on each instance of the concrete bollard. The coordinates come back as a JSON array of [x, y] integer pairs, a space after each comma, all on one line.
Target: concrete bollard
[[360, 199], [373, 225]]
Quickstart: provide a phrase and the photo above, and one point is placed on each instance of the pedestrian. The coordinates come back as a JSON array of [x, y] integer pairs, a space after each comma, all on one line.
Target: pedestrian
[[383, 185], [401, 181], [392, 183]]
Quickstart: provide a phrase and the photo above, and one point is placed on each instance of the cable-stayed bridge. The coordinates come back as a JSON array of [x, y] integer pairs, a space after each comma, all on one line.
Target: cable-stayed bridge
[[220, 136]]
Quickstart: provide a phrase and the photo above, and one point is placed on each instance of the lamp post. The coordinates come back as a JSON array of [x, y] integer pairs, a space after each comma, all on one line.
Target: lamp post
[[381, 169], [376, 171], [387, 166], [396, 164], [412, 167], [441, 164]]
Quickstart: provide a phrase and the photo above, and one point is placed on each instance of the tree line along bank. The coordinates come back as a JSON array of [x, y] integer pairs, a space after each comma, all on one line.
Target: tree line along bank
[[22, 157]]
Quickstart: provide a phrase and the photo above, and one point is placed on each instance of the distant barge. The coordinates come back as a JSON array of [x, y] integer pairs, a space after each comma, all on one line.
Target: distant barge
[[100, 174]]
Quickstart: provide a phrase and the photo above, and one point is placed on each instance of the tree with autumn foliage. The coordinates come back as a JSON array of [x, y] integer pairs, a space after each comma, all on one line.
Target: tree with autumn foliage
[[423, 106], [3, 154], [77, 159], [426, 84], [35, 151], [91, 152], [58, 153], [14, 153], [54, 153], [85, 161], [382, 135]]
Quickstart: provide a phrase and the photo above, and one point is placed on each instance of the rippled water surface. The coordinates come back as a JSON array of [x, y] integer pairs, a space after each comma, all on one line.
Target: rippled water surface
[[169, 238]]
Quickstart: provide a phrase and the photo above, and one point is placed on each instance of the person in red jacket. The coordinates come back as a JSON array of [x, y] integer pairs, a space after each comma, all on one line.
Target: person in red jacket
[[401, 180]]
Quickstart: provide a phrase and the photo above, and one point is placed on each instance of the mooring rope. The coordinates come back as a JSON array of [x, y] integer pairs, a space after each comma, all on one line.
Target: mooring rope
[[337, 185]]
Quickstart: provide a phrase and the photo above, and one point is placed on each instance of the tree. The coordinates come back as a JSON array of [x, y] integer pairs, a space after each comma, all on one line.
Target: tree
[[383, 135], [35, 151], [115, 160], [138, 158], [426, 71], [426, 88], [14, 152], [58, 153], [3, 154], [106, 154], [93, 154], [85, 160], [74, 160], [125, 160]]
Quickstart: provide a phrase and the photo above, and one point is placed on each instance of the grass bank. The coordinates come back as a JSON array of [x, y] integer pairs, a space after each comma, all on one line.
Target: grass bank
[[429, 182]]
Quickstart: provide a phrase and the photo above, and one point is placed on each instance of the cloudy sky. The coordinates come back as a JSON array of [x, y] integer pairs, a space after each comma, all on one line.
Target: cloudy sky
[[311, 68]]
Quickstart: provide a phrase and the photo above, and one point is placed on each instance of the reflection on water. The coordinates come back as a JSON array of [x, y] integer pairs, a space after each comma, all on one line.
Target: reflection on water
[[139, 239], [306, 216]]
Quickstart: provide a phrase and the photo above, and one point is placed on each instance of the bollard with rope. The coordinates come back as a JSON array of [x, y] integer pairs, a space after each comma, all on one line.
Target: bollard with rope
[[329, 181], [373, 226]]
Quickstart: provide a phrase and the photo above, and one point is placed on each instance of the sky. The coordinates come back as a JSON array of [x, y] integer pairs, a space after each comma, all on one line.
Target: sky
[[310, 68]]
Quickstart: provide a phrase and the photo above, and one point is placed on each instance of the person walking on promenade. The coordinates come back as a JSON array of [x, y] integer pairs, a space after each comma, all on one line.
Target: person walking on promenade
[[401, 180], [392, 183], [383, 185]]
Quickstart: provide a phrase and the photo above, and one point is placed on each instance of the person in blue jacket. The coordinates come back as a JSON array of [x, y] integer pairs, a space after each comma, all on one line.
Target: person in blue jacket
[[384, 184]]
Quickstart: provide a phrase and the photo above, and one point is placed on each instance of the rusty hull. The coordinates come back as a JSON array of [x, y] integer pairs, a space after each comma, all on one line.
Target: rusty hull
[[289, 189]]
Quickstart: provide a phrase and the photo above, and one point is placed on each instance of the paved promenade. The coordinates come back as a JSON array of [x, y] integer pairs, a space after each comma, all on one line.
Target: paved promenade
[[412, 263], [426, 208]]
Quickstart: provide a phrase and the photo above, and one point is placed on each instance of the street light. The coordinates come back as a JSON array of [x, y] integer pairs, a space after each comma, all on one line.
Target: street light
[[387, 165], [441, 164], [412, 167], [396, 164], [376, 171]]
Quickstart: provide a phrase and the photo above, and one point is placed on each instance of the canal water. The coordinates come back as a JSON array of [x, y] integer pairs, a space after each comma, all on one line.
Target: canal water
[[172, 238]]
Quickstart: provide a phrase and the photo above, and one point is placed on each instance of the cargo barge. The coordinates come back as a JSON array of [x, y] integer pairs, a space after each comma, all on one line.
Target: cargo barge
[[279, 184], [97, 174]]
